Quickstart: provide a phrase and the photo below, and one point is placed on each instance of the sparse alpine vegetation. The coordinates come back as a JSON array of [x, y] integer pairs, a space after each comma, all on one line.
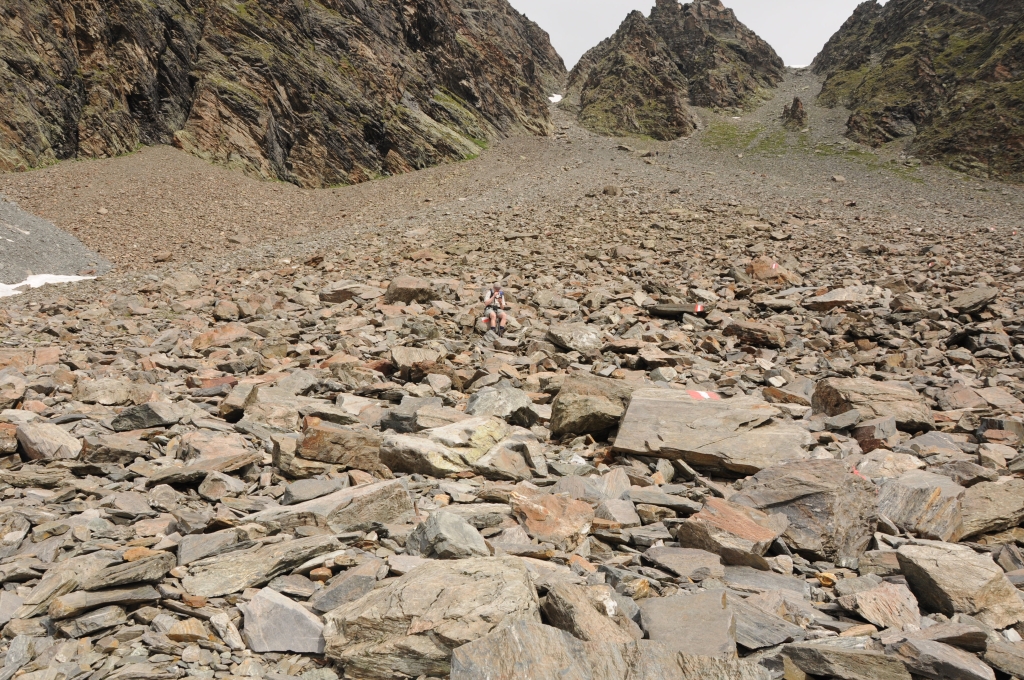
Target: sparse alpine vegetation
[[946, 77]]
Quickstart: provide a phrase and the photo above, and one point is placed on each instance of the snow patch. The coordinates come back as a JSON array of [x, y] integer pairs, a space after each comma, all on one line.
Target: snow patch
[[37, 280], [555, 98]]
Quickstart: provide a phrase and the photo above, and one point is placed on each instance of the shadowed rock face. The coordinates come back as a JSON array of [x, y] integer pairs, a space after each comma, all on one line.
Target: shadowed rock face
[[315, 93], [643, 78], [946, 75]]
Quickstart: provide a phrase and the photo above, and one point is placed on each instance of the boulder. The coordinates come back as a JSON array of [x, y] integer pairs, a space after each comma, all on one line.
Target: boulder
[[446, 536], [412, 625], [144, 416], [925, 504], [884, 464], [573, 609], [551, 518], [989, 507], [215, 577], [406, 453], [758, 629], [578, 337], [409, 289], [887, 605], [973, 300], [309, 489], [936, 661], [588, 405], [757, 334], [739, 535], [737, 436], [874, 400], [105, 392], [501, 401], [832, 512], [851, 296], [45, 441], [1006, 657], [348, 447], [953, 579]]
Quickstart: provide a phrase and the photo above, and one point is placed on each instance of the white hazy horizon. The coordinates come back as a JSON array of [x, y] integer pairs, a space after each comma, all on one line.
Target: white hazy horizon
[[797, 29]]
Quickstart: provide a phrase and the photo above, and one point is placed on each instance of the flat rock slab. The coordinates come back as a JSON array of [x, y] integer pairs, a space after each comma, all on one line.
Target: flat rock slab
[[219, 576], [275, 623], [874, 400], [700, 625], [354, 508], [695, 565], [821, 660], [755, 581], [531, 651], [735, 437]]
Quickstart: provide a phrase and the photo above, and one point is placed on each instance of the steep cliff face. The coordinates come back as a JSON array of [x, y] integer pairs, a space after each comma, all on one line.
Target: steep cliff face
[[947, 76], [633, 86], [725, 63], [643, 79], [313, 92]]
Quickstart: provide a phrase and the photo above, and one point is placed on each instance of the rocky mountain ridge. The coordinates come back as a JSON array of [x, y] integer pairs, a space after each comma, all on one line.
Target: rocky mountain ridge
[[945, 76], [643, 79], [317, 94]]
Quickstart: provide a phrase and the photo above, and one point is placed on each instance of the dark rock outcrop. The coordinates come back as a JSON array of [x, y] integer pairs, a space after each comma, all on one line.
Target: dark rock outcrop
[[945, 75], [643, 79], [632, 85], [726, 64], [794, 116], [316, 93]]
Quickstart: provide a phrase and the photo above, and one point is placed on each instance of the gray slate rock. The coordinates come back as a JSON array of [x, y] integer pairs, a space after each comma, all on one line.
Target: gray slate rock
[[411, 625], [700, 625], [215, 577], [446, 536], [937, 661], [526, 650], [275, 623], [832, 512], [953, 579], [308, 489], [832, 661]]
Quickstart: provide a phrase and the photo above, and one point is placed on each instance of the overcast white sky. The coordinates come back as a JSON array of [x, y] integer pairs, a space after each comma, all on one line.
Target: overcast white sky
[[797, 29]]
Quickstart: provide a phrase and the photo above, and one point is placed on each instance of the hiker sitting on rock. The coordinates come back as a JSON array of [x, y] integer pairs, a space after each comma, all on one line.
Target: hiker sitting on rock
[[495, 310]]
